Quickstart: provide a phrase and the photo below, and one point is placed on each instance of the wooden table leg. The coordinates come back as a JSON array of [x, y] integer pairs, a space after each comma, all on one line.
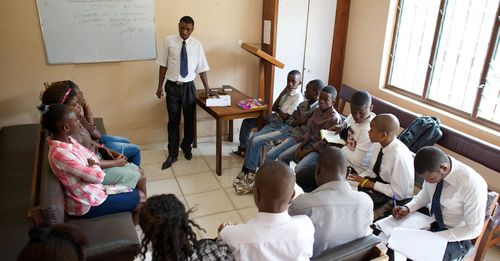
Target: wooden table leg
[[230, 131], [195, 131], [218, 148]]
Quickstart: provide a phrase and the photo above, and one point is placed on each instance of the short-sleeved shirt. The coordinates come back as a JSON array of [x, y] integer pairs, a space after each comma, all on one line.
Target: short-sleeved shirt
[[169, 55], [271, 236], [290, 101], [82, 183], [339, 214]]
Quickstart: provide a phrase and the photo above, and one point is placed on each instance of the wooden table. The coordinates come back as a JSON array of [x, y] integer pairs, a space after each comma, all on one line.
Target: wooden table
[[222, 114]]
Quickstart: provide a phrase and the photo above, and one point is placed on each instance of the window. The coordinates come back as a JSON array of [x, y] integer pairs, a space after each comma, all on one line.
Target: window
[[445, 53]]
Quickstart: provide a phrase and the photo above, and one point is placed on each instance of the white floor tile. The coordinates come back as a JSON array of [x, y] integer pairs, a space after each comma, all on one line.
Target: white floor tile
[[208, 203], [211, 223], [196, 183]]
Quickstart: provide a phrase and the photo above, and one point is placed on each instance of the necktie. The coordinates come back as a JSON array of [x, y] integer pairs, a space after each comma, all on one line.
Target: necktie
[[436, 206], [378, 163], [184, 60]]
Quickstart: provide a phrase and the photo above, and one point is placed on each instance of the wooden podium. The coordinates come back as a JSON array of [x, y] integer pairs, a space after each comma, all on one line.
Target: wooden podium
[[263, 58]]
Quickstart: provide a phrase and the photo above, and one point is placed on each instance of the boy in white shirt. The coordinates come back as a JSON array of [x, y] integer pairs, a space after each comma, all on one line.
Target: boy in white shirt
[[272, 234], [391, 174]]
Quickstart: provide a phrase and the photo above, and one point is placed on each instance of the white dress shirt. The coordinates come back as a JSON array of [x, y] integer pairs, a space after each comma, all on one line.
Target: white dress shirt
[[169, 55], [338, 213], [463, 202], [396, 169], [359, 147], [290, 101], [271, 236]]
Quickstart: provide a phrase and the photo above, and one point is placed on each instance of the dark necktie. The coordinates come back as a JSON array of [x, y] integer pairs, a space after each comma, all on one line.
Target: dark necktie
[[378, 163], [184, 60], [436, 206]]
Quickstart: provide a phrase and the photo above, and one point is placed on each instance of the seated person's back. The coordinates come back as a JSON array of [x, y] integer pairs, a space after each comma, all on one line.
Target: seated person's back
[[338, 213], [272, 234]]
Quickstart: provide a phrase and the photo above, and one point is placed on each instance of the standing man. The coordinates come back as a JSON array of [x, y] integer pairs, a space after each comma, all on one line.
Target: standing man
[[180, 58]]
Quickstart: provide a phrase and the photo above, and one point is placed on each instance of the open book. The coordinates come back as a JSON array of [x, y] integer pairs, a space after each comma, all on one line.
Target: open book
[[331, 137]]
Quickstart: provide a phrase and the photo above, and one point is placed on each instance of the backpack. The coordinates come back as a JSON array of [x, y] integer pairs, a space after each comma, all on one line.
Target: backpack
[[423, 131]]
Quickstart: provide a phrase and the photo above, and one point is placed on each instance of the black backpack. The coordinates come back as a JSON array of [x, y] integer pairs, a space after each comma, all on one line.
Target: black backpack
[[423, 131]]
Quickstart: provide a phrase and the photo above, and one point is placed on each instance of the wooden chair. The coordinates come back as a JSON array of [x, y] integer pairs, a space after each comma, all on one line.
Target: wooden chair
[[488, 236], [491, 233]]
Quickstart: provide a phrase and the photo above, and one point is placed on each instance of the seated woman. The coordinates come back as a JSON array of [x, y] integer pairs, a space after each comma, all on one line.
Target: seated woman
[[78, 169], [168, 230], [116, 143], [117, 170], [60, 242]]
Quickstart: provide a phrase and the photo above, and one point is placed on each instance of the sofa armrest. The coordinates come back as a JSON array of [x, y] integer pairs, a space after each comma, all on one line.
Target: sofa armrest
[[111, 237], [359, 249]]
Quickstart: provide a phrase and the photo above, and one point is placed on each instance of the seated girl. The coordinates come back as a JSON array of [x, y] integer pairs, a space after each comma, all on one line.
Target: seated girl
[[117, 170], [116, 143], [168, 230], [78, 169]]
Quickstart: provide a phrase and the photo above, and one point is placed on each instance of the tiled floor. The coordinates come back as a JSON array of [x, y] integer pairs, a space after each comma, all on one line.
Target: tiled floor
[[195, 183], [213, 198]]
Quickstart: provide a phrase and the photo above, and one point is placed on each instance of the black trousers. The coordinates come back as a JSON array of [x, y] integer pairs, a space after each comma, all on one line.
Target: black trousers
[[180, 97]]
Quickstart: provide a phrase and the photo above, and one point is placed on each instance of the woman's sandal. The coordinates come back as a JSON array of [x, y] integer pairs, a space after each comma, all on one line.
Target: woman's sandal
[[240, 152]]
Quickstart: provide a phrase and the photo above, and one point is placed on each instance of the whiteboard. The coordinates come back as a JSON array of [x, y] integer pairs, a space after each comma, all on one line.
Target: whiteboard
[[84, 31]]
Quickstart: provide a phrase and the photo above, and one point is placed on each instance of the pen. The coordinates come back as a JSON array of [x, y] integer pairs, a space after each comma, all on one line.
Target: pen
[[394, 200]]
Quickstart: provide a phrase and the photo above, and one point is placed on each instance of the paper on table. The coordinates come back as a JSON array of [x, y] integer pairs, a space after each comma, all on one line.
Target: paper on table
[[414, 220], [223, 100], [417, 244], [331, 137]]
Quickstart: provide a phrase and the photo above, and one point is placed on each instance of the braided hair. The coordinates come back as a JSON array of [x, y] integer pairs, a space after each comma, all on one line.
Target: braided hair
[[167, 229]]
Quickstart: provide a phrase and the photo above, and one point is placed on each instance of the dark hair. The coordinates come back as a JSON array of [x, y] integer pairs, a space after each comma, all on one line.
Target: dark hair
[[330, 90], [59, 92], [317, 84], [361, 98], [294, 72], [187, 20], [167, 227], [52, 115], [60, 242], [429, 159]]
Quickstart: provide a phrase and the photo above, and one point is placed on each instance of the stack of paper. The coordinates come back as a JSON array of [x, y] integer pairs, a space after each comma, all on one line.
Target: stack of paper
[[415, 220], [331, 137], [222, 100], [417, 244]]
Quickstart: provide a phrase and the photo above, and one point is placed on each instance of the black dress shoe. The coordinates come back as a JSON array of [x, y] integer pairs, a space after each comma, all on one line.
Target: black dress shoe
[[168, 162], [188, 155]]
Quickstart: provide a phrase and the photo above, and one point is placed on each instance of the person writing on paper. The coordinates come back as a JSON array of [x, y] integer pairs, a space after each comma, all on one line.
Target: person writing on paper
[[180, 58], [391, 166], [457, 195], [273, 234], [358, 149], [307, 151], [338, 213]]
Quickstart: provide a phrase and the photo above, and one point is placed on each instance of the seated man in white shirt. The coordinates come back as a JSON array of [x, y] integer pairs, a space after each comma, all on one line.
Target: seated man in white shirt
[[391, 174], [272, 234], [338, 213], [457, 195]]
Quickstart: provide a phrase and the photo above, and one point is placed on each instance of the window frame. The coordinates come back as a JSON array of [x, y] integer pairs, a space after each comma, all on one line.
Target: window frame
[[423, 98]]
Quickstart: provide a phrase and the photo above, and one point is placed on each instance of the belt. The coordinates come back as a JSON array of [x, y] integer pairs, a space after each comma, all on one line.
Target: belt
[[179, 83]]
